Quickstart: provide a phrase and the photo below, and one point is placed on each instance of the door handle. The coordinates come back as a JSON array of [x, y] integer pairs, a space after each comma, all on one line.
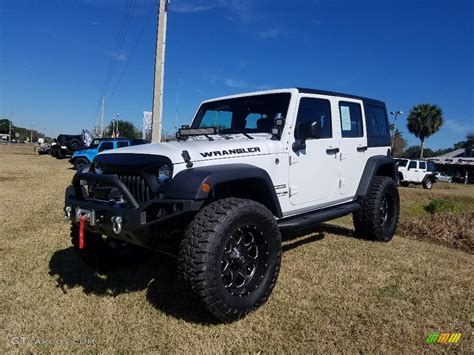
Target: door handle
[[332, 150], [362, 149]]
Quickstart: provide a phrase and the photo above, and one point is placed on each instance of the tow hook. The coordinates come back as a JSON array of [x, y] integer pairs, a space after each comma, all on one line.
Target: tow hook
[[67, 213], [117, 224]]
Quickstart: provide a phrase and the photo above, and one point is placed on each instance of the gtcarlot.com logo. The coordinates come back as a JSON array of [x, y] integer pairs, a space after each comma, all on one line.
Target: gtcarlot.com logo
[[28, 340], [443, 338]]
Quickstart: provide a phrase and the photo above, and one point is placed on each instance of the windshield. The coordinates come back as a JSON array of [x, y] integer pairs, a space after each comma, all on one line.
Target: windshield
[[401, 162], [250, 114], [94, 144]]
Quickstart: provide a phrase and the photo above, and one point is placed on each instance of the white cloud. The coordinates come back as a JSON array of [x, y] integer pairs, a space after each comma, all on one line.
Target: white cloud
[[235, 83], [455, 126], [189, 8], [270, 33]]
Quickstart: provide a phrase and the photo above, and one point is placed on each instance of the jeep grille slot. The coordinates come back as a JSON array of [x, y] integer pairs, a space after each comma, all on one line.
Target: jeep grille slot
[[137, 186]]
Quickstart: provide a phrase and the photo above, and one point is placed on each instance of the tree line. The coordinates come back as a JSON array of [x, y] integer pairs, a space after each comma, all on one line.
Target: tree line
[[423, 121]]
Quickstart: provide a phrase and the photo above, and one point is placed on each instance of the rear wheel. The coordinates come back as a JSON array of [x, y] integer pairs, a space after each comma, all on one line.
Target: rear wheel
[[428, 184], [75, 144], [378, 217], [230, 257]]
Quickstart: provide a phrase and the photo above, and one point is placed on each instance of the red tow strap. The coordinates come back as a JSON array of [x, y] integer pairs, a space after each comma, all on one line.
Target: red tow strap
[[81, 231]]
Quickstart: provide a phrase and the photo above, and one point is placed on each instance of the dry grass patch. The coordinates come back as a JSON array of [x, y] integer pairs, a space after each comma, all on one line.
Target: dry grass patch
[[335, 293], [453, 230]]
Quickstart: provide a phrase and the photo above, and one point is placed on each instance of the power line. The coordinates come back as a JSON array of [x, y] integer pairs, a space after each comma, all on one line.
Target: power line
[[130, 8], [120, 39], [134, 48]]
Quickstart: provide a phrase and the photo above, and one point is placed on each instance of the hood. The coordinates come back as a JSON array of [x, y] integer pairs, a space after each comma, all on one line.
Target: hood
[[201, 148]]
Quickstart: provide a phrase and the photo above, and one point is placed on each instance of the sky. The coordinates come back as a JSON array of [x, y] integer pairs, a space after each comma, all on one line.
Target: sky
[[57, 57]]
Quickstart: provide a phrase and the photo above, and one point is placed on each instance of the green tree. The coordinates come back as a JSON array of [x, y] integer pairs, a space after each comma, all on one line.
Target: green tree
[[423, 121], [413, 152], [126, 129], [399, 144]]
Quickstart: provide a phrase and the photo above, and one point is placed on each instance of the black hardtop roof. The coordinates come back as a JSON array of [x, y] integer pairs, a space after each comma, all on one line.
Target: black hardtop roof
[[332, 93]]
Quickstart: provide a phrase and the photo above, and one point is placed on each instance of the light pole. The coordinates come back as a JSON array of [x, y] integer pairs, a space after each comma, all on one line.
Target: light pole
[[10, 130], [395, 114], [157, 119]]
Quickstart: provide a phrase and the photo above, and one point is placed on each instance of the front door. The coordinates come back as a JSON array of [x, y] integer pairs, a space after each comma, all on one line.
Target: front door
[[412, 171], [314, 171], [353, 145]]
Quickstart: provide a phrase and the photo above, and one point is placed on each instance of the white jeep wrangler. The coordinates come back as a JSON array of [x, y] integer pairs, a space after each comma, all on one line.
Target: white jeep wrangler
[[246, 168], [418, 172]]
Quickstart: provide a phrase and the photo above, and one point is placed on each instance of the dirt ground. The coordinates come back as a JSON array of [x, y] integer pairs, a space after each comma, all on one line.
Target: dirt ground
[[335, 293]]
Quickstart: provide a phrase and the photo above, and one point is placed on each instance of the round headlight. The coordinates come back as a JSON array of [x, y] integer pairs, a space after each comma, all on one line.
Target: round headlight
[[164, 173]]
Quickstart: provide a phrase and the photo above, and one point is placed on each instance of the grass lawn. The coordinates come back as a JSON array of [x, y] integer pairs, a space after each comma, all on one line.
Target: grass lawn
[[335, 293]]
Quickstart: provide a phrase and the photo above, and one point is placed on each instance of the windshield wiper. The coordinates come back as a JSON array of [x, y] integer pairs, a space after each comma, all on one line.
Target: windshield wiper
[[247, 135]]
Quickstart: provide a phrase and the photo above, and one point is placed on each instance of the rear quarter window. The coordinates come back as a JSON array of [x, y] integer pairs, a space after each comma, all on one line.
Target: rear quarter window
[[378, 130]]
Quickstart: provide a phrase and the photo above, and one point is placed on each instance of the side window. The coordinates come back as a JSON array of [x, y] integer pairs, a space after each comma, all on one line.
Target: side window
[[377, 122], [412, 165], [351, 120], [315, 112], [122, 144], [431, 166], [422, 165], [106, 146]]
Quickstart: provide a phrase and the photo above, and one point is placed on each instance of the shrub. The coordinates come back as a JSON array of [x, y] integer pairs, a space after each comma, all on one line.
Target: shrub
[[442, 206]]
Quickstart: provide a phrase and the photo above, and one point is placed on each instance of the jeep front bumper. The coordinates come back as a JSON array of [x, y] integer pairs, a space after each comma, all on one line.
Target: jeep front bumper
[[123, 217]]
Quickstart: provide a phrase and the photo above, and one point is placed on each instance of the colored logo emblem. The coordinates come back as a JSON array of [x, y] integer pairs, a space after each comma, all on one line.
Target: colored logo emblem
[[443, 338]]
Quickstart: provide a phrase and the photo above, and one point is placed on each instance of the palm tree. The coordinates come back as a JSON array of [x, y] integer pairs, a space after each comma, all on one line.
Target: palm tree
[[423, 121]]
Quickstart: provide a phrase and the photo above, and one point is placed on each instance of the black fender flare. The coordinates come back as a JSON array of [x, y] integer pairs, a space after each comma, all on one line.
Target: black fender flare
[[431, 176], [376, 165], [187, 183]]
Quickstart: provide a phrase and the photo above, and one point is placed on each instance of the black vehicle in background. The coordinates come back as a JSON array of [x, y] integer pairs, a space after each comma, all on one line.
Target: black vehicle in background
[[66, 144]]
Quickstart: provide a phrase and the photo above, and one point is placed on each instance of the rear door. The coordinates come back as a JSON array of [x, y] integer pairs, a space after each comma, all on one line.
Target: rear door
[[353, 145]]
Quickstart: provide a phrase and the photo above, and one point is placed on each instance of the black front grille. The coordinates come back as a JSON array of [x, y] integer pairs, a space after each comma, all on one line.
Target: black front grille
[[137, 186]]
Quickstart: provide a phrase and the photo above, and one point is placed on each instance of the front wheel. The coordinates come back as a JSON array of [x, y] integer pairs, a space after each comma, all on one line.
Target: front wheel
[[230, 257], [80, 163], [378, 217]]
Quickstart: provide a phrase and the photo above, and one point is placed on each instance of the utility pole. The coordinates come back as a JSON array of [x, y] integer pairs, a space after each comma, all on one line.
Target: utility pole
[[159, 72], [394, 113], [101, 124]]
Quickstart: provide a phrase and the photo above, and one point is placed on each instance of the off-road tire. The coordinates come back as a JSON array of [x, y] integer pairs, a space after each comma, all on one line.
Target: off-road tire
[[75, 144], [377, 220], [102, 255], [80, 163], [205, 249], [59, 154], [427, 184]]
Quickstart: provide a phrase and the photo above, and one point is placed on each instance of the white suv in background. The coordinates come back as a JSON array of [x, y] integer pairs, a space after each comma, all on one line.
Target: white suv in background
[[419, 172]]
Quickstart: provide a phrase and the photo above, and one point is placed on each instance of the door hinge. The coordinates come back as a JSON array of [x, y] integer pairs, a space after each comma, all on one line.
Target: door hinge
[[342, 182], [292, 191], [293, 160]]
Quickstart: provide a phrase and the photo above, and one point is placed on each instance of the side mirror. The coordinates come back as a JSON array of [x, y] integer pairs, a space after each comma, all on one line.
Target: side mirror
[[305, 130], [315, 130], [302, 131]]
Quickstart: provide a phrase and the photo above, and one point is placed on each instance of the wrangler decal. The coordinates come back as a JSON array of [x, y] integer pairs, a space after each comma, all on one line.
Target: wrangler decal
[[218, 153]]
